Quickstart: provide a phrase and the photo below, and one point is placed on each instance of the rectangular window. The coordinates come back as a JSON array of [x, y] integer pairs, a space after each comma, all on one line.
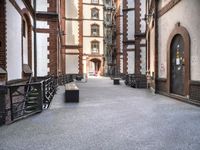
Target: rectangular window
[[95, 13], [95, 30], [95, 47]]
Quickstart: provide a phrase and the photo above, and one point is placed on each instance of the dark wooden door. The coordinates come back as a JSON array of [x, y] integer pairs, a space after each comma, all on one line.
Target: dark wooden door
[[177, 65]]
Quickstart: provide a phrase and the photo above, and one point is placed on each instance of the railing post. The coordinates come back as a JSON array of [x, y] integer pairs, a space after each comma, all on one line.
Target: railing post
[[3, 92]]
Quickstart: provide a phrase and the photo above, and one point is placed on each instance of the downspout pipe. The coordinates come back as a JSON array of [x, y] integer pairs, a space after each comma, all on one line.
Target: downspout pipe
[[35, 41], [156, 46]]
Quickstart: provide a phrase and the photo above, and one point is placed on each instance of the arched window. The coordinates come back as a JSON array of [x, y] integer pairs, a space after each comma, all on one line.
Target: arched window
[[94, 13], [95, 30], [94, 47]]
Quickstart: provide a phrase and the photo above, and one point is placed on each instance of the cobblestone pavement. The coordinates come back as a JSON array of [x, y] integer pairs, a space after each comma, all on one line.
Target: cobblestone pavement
[[108, 117]]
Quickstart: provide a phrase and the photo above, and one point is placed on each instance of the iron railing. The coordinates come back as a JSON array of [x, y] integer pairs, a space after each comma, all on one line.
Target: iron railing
[[25, 102], [30, 98]]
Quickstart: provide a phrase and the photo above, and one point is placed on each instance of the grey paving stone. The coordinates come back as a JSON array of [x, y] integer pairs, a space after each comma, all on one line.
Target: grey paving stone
[[108, 117]]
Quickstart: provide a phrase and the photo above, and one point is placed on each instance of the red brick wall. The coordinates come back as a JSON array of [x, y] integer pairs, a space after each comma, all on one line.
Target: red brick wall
[[125, 30], [80, 13], [53, 39], [137, 40], [2, 37], [118, 32]]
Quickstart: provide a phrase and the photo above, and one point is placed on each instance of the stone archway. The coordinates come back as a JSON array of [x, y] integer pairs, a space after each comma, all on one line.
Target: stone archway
[[180, 62], [94, 66]]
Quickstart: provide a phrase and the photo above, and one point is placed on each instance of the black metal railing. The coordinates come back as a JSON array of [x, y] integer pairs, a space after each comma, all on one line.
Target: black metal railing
[[63, 79], [25, 102], [49, 89], [136, 80], [19, 100], [3, 91]]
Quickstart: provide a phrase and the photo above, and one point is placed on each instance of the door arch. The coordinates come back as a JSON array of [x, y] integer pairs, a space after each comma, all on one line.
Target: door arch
[[95, 66], [178, 61]]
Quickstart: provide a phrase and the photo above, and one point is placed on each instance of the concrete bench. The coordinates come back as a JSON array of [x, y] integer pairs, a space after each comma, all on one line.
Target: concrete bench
[[71, 93], [116, 81]]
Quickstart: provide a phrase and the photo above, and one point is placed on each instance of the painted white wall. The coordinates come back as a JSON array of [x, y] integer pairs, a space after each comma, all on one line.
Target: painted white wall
[[121, 64], [42, 5], [25, 45], [72, 64], [143, 60], [143, 12], [42, 24], [162, 3], [192, 24], [13, 38], [152, 51], [72, 33], [33, 52], [87, 27], [131, 62], [131, 3], [42, 54], [72, 51], [131, 25], [131, 47], [89, 1], [20, 4], [71, 10], [84, 64]]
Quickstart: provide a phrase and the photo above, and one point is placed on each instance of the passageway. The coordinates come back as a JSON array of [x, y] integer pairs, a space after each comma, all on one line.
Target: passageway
[[108, 117]]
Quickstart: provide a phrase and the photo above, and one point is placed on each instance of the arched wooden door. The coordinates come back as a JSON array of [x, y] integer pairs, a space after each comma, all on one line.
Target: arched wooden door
[[177, 65]]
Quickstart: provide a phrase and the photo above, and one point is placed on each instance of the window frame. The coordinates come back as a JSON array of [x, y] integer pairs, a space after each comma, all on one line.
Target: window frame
[[94, 9], [97, 46], [98, 30]]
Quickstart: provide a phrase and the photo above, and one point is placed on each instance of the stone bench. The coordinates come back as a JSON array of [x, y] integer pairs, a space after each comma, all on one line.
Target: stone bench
[[116, 81], [71, 93]]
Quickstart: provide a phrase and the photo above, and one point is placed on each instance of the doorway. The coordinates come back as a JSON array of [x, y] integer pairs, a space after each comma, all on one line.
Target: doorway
[[94, 67], [177, 65]]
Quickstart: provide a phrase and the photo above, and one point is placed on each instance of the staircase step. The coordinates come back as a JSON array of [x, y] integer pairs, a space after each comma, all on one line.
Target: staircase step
[[32, 98], [32, 108]]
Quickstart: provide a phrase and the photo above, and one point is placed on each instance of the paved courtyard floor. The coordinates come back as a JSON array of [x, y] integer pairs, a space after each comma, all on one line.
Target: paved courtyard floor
[[108, 117]]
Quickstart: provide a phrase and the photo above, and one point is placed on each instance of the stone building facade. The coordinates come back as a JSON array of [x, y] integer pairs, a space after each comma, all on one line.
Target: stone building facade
[[131, 37], [84, 49], [18, 40], [30, 42]]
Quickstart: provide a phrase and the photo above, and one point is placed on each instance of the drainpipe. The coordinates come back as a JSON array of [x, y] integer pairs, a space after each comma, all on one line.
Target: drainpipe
[[156, 45], [35, 41]]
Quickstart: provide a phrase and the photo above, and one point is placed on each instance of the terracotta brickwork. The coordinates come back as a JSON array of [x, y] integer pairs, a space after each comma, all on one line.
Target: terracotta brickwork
[[2, 38], [52, 6], [137, 40], [118, 34], [80, 14], [125, 30], [63, 33], [53, 39]]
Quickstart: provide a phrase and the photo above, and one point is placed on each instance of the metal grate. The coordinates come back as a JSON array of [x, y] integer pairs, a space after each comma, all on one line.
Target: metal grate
[[195, 92]]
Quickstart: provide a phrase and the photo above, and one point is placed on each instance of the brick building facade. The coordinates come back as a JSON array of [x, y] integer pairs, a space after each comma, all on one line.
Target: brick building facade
[[172, 48]]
